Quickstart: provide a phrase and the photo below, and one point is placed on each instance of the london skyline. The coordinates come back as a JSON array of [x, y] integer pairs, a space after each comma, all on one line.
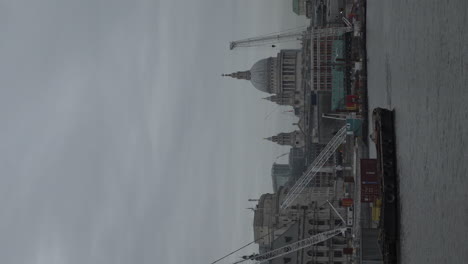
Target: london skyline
[[126, 93]]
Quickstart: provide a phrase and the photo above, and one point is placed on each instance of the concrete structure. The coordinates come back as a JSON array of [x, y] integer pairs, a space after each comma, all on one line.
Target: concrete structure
[[280, 175], [325, 176], [297, 163], [270, 222], [335, 9], [316, 148], [326, 55], [324, 128], [324, 252], [299, 7], [286, 174], [310, 215]]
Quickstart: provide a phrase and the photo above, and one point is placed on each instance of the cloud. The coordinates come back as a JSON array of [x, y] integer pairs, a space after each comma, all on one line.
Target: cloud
[[119, 142]]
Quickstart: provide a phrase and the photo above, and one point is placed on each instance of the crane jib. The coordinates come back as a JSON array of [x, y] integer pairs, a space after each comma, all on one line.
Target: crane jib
[[312, 170], [295, 246], [290, 35]]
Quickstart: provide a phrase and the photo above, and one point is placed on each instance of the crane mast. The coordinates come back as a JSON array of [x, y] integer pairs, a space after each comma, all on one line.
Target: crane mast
[[316, 165], [289, 35], [310, 241]]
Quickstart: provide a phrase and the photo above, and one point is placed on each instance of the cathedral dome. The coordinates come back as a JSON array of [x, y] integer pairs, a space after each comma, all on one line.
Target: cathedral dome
[[260, 75]]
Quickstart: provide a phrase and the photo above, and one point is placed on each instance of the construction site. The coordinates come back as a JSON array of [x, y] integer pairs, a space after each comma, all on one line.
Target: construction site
[[327, 202]]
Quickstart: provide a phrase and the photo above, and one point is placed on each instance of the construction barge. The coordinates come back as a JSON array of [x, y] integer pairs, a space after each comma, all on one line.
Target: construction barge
[[389, 224]]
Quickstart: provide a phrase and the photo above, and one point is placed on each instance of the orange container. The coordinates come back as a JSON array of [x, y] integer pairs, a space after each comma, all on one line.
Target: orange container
[[346, 202]]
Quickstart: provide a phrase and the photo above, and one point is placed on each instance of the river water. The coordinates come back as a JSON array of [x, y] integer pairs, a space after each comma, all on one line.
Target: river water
[[418, 65]]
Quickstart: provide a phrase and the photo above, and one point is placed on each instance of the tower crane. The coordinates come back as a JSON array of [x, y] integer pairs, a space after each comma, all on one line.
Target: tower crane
[[290, 35], [310, 241], [282, 155], [316, 165]]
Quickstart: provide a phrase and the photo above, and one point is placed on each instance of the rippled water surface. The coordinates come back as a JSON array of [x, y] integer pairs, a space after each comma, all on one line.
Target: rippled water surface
[[418, 65]]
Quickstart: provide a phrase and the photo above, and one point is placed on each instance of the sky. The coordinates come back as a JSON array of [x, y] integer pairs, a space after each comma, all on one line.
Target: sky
[[120, 142]]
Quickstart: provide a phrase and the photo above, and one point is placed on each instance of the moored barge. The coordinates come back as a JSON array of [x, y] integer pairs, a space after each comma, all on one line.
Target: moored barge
[[384, 138]]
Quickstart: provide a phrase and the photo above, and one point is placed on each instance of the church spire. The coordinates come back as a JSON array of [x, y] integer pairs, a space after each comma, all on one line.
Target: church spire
[[272, 98], [241, 75], [294, 139]]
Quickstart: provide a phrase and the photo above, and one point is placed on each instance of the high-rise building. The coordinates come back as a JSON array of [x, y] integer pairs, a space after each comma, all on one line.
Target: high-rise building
[[299, 7], [280, 175], [297, 163]]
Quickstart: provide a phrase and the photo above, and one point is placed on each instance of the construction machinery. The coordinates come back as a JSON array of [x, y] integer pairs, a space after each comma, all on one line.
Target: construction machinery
[[290, 35], [310, 241], [316, 165]]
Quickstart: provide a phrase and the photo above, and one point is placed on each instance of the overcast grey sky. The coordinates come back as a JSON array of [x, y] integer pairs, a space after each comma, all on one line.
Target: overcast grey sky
[[120, 142]]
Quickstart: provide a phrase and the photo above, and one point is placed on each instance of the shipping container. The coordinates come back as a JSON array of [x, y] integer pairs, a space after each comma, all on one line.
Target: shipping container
[[376, 210], [370, 189], [352, 102], [346, 202], [370, 192], [349, 179], [369, 173]]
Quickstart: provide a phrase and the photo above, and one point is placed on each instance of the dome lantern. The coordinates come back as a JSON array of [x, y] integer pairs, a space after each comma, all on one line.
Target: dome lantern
[[259, 75]]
